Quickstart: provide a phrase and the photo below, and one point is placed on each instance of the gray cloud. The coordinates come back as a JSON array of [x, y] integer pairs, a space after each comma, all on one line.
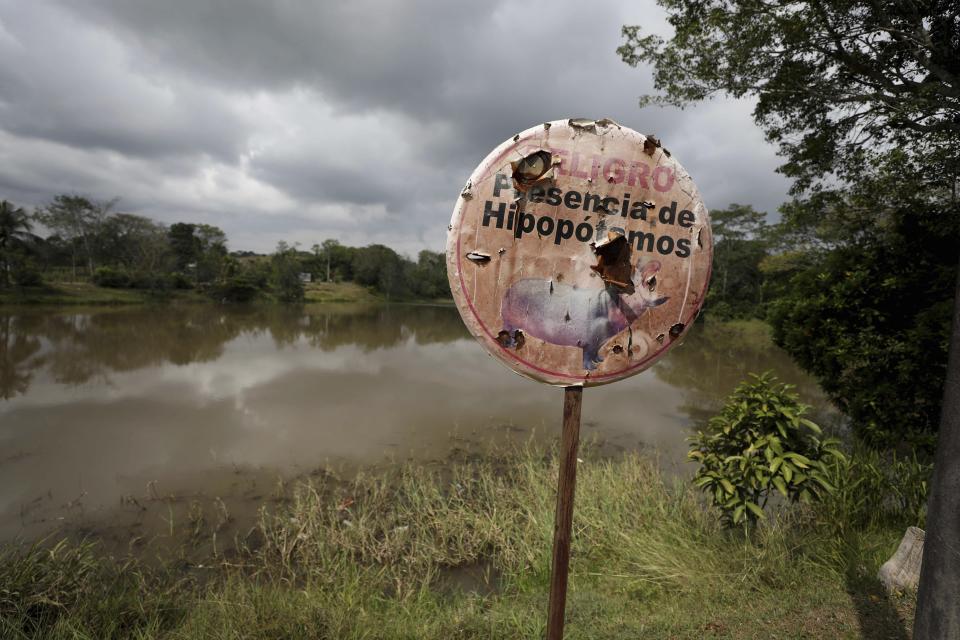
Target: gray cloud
[[305, 120]]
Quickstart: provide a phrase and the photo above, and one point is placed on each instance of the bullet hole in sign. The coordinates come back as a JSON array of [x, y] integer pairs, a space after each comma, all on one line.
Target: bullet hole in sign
[[506, 339], [613, 262], [478, 257], [650, 144], [617, 349], [583, 124], [676, 330], [530, 169]]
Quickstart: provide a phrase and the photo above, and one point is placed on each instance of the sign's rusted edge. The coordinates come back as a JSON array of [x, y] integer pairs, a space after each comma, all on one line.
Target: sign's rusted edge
[[514, 150]]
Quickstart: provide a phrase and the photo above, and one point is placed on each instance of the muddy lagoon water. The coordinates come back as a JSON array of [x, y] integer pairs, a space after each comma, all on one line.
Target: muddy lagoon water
[[109, 416]]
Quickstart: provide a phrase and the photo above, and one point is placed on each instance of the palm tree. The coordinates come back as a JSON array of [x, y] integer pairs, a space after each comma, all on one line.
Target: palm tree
[[15, 228]]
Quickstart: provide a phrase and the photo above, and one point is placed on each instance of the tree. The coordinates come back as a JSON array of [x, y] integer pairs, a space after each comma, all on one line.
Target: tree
[[381, 267], [832, 79], [837, 85], [285, 273], [868, 311], [428, 278], [77, 220], [136, 243], [739, 247], [15, 227], [212, 252], [183, 243], [327, 251], [198, 248]]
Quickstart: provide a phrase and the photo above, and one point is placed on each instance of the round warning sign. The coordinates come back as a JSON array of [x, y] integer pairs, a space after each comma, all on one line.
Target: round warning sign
[[579, 252]]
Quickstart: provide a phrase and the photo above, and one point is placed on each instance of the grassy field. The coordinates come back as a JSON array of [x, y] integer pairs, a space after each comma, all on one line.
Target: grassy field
[[73, 293], [76, 293], [462, 551], [339, 292]]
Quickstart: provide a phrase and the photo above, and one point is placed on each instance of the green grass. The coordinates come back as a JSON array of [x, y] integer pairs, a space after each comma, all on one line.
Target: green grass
[[376, 557], [339, 292], [82, 293]]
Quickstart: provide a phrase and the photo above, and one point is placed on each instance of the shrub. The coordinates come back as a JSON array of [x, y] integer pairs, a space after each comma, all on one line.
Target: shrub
[[112, 278], [238, 288], [760, 443], [26, 274], [179, 280]]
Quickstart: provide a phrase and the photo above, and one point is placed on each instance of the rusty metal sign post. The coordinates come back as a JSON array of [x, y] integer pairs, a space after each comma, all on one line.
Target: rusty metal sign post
[[579, 254]]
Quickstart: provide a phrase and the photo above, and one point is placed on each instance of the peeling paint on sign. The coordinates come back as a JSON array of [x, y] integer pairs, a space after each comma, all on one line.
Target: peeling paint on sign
[[604, 252]]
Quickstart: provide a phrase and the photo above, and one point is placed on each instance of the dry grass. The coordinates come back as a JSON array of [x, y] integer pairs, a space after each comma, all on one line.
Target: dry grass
[[374, 558]]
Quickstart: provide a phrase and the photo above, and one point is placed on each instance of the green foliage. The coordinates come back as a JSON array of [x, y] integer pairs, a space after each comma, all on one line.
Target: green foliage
[[428, 279], [382, 268], [740, 245], [15, 227], [70, 591], [875, 489], [869, 309], [236, 288], [77, 221], [199, 249], [120, 278], [760, 443], [863, 93], [111, 278], [463, 552], [831, 79], [123, 250], [24, 272], [285, 274]]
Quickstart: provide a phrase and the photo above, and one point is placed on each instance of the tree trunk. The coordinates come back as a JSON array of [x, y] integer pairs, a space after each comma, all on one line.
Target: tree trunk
[[938, 598]]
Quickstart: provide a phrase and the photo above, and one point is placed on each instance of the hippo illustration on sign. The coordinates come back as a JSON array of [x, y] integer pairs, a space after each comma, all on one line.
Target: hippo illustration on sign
[[572, 316]]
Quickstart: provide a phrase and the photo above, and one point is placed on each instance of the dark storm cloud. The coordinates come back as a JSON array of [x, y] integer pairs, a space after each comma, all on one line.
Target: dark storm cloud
[[61, 80], [312, 119]]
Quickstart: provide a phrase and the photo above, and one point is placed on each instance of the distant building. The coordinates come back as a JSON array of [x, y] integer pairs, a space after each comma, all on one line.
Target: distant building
[[306, 278]]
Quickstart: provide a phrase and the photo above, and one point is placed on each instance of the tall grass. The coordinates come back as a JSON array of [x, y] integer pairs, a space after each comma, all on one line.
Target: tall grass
[[373, 557]]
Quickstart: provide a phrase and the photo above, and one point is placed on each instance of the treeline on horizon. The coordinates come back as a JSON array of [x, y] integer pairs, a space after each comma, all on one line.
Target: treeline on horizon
[[87, 240], [856, 281]]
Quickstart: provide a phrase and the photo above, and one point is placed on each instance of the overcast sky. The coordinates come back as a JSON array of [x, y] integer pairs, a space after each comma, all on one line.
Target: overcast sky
[[300, 120]]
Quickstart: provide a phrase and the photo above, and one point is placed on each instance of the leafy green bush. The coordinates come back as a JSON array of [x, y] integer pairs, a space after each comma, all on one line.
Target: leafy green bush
[[119, 278], [238, 288], [112, 278], [760, 442], [179, 280], [868, 309], [26, 274]]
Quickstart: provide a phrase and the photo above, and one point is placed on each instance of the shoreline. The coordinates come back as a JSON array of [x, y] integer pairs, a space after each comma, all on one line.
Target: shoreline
[[463, 551], [86, 294]]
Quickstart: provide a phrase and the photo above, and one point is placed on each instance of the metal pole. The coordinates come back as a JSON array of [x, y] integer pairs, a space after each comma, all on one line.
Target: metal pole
[[563, 522], [938, 598]]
